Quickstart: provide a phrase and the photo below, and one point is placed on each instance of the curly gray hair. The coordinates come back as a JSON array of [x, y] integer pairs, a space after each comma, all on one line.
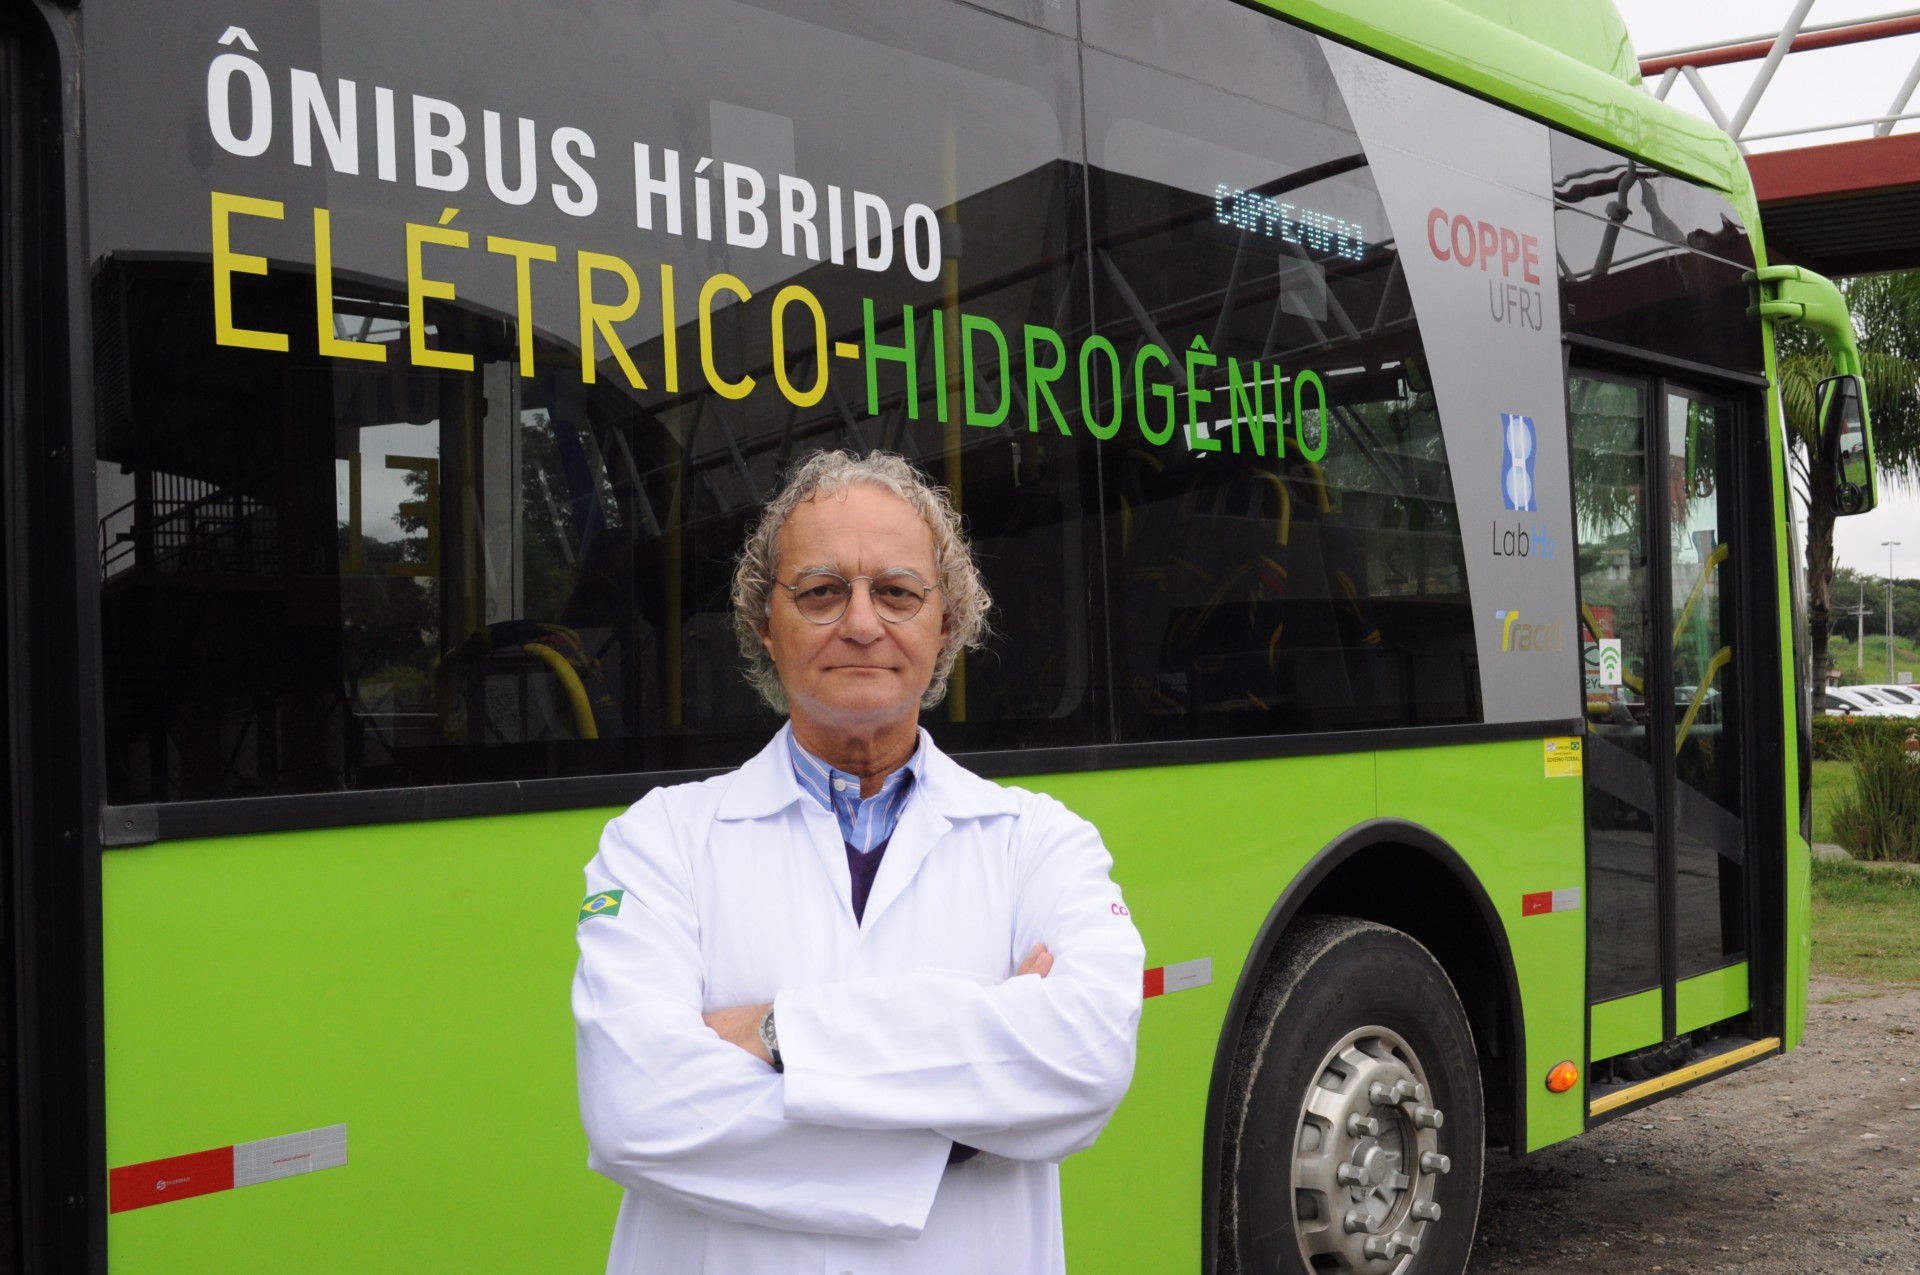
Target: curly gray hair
[[964, 601]]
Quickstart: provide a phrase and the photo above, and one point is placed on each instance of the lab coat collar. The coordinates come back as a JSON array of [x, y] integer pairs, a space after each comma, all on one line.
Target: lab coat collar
[[766, 785]]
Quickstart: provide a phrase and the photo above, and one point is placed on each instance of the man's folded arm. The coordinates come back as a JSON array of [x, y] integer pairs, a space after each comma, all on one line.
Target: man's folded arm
[[673, 1111], [1031, 1068]]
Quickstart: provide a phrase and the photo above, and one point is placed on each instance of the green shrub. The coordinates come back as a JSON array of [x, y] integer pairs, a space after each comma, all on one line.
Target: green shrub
[[1879, 817], [1836, 738]]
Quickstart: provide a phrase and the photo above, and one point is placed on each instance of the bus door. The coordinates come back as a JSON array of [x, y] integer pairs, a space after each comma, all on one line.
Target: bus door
[[1659, 569]]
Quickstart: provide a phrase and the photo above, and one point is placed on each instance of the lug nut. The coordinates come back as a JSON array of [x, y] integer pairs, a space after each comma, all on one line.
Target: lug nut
[[1435, 1163], [1427, 1117], [1425, 1211], [1380, 1095], [1359, 1126], [1350, 1175], [1355, 1222], [1392, 1246]]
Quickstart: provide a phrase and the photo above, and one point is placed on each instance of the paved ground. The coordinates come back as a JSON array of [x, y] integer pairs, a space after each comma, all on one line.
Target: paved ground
[[1801, 1165]]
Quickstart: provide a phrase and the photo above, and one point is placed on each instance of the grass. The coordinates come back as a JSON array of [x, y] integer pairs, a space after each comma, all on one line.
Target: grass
[[1869, 667], [1866, 922], [1830, 780], [1876, 815]]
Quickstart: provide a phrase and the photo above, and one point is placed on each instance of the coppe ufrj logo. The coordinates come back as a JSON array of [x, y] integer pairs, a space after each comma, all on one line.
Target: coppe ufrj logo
[[1516, 462]]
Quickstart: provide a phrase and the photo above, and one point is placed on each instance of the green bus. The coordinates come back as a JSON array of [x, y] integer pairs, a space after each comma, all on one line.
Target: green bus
[[1363, 414]]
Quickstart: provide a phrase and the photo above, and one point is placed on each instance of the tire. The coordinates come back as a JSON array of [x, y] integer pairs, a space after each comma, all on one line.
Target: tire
[[1356, 1063]]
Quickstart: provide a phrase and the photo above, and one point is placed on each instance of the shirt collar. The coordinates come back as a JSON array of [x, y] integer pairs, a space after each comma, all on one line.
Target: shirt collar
[[767, 784], [816, 778]]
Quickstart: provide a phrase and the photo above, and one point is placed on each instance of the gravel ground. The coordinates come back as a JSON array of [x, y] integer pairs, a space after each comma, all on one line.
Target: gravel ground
[[1808, 1164]]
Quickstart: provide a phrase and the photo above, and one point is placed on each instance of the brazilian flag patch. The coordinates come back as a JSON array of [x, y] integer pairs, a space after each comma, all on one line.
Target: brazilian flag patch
[[605, 903]]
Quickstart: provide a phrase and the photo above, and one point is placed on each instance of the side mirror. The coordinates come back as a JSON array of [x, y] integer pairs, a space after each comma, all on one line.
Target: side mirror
[[1845, 437]]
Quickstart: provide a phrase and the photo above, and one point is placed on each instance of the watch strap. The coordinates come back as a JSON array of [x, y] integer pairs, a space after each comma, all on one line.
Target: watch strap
[[771, 1039]]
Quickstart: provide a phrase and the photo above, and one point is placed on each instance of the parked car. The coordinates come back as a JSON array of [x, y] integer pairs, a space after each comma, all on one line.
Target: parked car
[[1852, 701], [1904, 697]]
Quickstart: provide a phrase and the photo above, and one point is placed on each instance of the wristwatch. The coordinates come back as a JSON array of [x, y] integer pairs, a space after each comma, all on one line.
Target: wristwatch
[[771, 1039]]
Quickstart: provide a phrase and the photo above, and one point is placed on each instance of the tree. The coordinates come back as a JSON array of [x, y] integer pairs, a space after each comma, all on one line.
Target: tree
[[1886, 310]]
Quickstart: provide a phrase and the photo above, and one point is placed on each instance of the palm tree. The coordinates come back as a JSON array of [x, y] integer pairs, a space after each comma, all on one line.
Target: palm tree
[[1886, 310]]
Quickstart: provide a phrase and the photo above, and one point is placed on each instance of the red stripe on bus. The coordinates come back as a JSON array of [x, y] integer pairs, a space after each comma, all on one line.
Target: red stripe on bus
[[1154, 983], [178, 1177], [1535, 904]]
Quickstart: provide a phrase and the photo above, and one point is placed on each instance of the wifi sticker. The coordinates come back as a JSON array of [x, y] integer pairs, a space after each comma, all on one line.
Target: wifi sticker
[[1610, 658]]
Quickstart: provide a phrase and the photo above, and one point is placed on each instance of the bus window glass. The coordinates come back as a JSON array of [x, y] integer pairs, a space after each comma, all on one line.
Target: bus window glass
[[1608, 420], [1633, 289], [1633, 195], [433, 403], [1702, 547], [1286, 547]]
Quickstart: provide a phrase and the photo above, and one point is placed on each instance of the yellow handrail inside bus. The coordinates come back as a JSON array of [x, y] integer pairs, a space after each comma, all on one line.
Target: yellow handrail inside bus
[[1714, 559], [1721, 658], [570, 681]]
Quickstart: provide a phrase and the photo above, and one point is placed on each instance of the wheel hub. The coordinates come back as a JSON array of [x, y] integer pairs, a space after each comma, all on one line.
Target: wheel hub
[[1366, 1158]]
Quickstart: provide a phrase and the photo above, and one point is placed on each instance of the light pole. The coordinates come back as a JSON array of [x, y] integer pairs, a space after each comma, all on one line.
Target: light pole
[[1889, 545], [1860, 629]]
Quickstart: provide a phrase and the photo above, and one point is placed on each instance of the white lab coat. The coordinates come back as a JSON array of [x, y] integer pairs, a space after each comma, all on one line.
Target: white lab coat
[[901, 1035]]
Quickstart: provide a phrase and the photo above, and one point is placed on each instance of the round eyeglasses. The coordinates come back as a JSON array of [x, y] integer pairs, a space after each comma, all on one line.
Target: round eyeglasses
[[822, 596]]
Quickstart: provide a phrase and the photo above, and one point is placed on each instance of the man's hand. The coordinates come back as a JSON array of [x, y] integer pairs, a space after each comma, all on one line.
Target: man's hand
[[741, 1026]]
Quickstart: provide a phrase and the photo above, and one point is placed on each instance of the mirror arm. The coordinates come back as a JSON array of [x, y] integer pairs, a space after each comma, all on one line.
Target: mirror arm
[[1792, 294]]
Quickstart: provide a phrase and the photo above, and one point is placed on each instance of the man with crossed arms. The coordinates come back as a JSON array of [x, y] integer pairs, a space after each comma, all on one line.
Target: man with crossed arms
[[846, 1008]]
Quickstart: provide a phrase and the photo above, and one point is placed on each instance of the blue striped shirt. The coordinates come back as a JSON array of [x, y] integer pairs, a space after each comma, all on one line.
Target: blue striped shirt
[[864, 823]]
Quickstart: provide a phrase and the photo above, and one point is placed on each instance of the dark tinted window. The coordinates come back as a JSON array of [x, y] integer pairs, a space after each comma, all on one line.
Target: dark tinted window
[[1285, 544], [1651, 260], [434, 402], [1633, 289], [377, 520], [1625, 192]]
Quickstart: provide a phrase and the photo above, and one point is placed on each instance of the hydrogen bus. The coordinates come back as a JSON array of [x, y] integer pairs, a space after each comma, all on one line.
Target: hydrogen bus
[[1363, 413]]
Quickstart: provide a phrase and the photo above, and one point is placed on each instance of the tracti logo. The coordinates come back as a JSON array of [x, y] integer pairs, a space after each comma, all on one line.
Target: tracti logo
[[1518, 440], [1517, 637]]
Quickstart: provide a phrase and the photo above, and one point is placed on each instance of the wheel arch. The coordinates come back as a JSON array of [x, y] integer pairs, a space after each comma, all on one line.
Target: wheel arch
[[1427, 876]]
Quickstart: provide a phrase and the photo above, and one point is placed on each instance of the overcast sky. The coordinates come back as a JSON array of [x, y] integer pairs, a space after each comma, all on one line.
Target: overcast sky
[[1825, 86]]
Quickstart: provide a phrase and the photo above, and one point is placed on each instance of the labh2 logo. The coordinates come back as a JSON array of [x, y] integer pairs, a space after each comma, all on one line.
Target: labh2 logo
[[1519, 441]]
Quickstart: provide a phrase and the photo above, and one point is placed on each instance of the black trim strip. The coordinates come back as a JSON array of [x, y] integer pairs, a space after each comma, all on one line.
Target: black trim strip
[[1360, 837], [1665, 362], [140, 825], [59, 1062]]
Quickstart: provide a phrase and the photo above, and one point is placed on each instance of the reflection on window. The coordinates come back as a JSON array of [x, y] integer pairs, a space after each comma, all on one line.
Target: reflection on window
[[328, 571], [1293, 563]]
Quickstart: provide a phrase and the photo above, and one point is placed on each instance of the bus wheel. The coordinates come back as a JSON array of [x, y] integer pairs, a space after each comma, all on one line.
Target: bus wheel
[[1354, 1131]]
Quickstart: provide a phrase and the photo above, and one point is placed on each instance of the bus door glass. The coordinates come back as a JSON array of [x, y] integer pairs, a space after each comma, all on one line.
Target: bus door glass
[[1709, 839], [1666, 843]]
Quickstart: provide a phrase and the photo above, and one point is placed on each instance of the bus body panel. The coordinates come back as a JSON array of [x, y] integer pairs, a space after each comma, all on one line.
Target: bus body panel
[[1513, 812], [409, 981]]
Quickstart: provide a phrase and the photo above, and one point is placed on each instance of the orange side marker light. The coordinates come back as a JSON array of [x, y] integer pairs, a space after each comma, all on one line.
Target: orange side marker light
[[1563, 1077]]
